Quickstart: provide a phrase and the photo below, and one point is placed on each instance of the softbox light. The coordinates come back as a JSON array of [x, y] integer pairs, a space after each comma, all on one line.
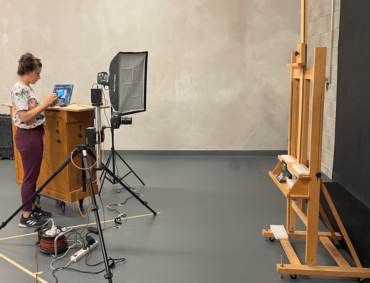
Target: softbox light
[[127, 82]]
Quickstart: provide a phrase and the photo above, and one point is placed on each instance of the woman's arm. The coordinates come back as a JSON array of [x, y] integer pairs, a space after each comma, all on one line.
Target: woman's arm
[[27, 115]]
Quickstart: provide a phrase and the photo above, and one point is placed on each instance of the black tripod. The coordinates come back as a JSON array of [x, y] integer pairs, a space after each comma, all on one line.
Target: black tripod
[[85, 150], [112, 157]]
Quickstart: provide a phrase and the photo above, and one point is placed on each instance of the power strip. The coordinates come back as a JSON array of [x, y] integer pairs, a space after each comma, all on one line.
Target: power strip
[[81, 253]]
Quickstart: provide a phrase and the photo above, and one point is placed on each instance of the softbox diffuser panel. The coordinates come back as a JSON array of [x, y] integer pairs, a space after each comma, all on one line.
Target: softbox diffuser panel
[[127, 82]]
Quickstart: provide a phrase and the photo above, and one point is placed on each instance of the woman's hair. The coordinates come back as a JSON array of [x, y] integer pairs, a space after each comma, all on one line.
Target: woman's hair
[[28, 63]]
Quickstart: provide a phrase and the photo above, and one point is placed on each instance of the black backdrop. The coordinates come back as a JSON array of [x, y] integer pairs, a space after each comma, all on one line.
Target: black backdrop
[[352, 133]]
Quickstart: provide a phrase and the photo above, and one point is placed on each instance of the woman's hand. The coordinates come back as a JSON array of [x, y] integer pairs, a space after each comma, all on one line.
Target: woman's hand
[[28, 115], [54, 103], [50, 99]]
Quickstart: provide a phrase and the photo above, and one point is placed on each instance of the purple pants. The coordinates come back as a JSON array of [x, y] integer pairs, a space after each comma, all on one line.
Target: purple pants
[[30, 145]]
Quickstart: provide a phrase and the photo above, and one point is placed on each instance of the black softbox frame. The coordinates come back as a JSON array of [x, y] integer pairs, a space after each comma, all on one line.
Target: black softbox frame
[[127, 82]]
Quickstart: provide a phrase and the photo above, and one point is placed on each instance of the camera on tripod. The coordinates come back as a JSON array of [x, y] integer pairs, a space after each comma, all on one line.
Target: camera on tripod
[[117, 121]]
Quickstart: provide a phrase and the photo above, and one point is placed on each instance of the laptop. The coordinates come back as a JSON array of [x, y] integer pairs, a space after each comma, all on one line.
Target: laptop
[[64, 93]]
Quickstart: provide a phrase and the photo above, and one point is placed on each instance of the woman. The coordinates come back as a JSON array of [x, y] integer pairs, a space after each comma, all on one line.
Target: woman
[[28, 117]]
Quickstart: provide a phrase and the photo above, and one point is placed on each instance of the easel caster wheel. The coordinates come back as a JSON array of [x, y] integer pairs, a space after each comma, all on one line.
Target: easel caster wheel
[[293, 276], [361, 279], [62, 206], [271, 239]]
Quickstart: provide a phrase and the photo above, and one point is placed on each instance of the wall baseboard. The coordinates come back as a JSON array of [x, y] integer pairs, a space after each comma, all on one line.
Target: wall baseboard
[[233, 153]]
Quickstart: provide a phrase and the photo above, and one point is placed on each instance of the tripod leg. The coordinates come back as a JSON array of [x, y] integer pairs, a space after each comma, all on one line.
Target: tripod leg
[[89, 151], [108, 161], [60, 168], [102, 177], [95, 208], [130, 169]]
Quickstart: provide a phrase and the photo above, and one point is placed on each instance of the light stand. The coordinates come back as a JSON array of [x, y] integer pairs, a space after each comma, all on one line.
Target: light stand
[[112, 157], [84, 149]]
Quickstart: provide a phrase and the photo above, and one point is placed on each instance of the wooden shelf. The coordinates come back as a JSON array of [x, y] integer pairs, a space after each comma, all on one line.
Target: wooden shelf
[[287, 192], [303, 234], [284, 188], [291, 169]]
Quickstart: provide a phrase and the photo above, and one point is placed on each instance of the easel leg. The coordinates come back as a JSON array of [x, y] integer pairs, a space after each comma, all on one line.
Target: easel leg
[[291, 225], [312, 223]]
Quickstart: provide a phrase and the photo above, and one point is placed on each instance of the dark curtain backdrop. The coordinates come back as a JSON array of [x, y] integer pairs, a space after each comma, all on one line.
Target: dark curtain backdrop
[[352, 133]]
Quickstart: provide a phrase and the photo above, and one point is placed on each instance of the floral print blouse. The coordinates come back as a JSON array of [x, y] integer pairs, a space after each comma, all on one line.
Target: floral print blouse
[[23, 98]]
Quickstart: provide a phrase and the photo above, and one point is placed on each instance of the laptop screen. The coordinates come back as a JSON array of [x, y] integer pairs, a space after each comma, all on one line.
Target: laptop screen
[[64, 93]]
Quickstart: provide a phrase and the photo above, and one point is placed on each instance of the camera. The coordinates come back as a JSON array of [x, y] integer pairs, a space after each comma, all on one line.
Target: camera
[[92, 137], [117, 121]]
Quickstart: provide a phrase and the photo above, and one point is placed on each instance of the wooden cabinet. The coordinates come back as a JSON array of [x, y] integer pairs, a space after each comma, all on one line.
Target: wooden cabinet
[[64, 129]]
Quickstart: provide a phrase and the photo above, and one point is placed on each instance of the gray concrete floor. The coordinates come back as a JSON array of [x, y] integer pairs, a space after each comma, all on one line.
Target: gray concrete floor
[[212, 212]]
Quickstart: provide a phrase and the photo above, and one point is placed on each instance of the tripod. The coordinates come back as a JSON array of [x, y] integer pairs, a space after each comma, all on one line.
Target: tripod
[[85, 150], [112, 156]]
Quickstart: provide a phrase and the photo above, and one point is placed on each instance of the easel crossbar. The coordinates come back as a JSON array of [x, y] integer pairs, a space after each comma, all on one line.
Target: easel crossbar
[[339, 259], [334, 271], [302, 235], [290, 253], [299, 212]]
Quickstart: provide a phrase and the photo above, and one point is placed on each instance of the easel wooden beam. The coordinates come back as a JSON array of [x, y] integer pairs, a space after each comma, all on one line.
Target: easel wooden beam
[[339, 259], [318, 89], [304, 17], [335, 271], [289, 251], [340, 224], [299, 212], [327, 222], [302, 235]]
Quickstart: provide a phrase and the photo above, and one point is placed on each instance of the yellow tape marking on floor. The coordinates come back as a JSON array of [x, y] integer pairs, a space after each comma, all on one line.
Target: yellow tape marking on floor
[[102, 222], [18, 236], [22, 268]]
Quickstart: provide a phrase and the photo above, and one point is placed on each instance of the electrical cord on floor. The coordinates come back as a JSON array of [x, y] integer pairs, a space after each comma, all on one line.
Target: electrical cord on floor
[[110, 207], [111, 265], [51, 264], [115, 261], [105, 224], [84, 228]]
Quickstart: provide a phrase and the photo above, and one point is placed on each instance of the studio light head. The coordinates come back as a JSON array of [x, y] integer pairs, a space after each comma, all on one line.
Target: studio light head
[[103, 78], [127, 82]]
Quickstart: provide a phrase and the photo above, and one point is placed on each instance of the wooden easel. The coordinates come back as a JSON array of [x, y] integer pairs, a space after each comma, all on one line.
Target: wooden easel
[[303, 197]]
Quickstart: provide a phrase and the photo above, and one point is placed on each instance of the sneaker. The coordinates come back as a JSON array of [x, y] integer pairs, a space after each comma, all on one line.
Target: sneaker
[[43, 214], [32, 221]]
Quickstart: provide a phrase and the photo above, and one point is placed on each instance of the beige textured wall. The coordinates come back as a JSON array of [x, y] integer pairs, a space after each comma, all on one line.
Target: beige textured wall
[[319, 35], [217, 78]]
